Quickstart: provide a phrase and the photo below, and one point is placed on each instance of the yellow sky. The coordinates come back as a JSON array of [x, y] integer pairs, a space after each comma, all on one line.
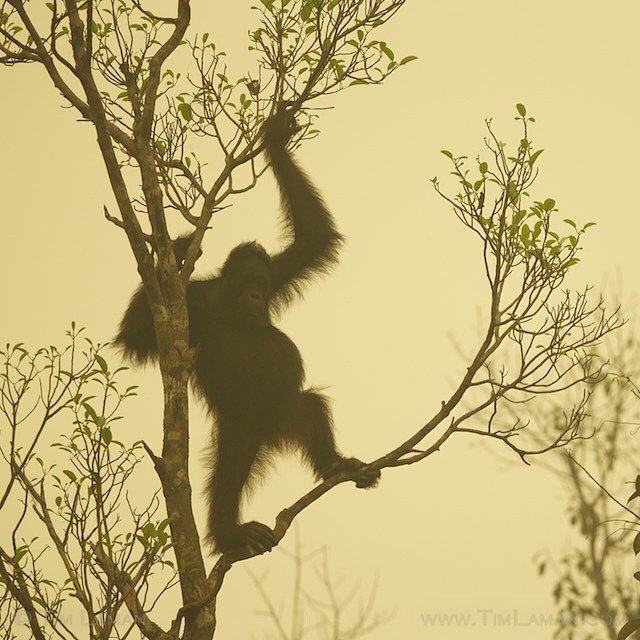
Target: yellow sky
[[457, 532]]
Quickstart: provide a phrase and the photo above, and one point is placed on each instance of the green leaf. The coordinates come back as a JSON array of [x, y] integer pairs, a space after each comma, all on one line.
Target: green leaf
[[484, 167], [163, 524], [447, 153], [305, 12], [408, 59], [101, 363], [107, 436], [537, 229], [549, 204], [521, 109], [636, 493], [387, 52], [534, 157], [20, 553], [72, 476], [636, 544], [185, 111], [90, 411], [337, 67], [519, 217]]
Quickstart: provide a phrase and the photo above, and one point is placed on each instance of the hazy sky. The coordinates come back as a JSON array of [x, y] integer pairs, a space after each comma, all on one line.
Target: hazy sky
[[384, 332]]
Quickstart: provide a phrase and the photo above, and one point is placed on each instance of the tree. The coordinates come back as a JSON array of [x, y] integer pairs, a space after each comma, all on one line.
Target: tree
[[592, 592], [108, 60], [85, 504], [324, 612], [82, 503]]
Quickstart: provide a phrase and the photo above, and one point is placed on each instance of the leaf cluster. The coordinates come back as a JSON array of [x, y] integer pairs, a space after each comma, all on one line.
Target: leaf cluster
[[81, 498]]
